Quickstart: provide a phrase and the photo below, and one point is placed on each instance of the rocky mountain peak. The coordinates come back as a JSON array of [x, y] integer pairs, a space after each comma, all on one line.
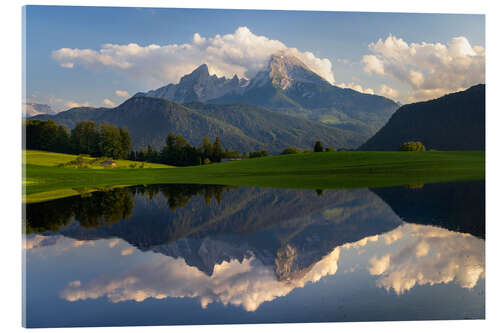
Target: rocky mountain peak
[[199, 74], [284, 71], [198, 86]]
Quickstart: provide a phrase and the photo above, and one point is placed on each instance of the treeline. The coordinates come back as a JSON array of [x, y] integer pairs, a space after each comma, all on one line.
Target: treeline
[[178, 152], [88, 137], [104, 208]]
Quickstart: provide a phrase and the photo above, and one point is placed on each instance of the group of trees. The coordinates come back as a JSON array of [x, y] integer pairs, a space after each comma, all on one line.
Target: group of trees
[[96, 139], [318, 148], [88, 137], [103, 139], [177, 151], [47, 135]]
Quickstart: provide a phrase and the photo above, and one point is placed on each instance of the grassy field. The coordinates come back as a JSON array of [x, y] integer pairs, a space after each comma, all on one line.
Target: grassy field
[[44, 180], [43, 158]]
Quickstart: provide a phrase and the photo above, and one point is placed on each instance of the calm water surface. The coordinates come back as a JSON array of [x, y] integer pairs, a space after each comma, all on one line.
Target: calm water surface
[[198, 254]]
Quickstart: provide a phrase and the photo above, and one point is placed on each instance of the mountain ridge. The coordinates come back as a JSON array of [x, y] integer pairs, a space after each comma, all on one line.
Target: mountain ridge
[[240, 127], [454, 121]]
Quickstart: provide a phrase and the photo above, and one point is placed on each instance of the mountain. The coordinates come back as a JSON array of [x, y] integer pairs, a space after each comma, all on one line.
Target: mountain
[[288, 86], [463, 209], [240, 127], [33, 109], [451, 122], [199, 86]]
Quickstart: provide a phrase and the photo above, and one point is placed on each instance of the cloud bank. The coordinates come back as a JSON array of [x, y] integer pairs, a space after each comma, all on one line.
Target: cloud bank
[[430, 69], [433, 255], [242, 53], [248, 283]]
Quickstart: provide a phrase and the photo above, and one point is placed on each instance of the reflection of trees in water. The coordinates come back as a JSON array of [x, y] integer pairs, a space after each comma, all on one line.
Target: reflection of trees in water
[[107, 207], [178, 195], [104, 208], [91, 210]]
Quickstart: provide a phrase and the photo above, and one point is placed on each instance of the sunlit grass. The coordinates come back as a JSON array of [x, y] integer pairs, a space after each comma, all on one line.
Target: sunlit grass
[[301, 171]]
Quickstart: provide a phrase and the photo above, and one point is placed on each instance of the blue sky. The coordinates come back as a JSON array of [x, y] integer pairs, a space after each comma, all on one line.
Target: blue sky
[[395, 67]]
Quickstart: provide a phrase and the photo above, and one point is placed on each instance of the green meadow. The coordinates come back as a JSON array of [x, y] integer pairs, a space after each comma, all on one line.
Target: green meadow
[[45, 178]]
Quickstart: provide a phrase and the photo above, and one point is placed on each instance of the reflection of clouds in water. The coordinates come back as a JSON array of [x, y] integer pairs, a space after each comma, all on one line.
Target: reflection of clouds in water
[[248, 283], [393, 236], [127, 251], [35, 241], [432, 255], [413, 255], [379, 266], [78, 243], [362, 242]]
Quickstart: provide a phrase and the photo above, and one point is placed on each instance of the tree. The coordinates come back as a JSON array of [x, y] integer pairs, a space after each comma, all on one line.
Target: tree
[[207, 147], [150, 155], [85, 138], [217, 150], [412, 146], [318, 147], [110, 141], [125, 142], [170, 141]]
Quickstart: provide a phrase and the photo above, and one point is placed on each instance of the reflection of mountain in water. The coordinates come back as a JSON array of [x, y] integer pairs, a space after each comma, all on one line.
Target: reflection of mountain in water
[[408, 256], [454, 206], [290, 230]]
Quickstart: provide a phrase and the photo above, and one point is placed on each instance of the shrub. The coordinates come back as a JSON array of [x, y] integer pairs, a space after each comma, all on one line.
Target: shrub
[[329, 149], [412, 146], [291, 150]]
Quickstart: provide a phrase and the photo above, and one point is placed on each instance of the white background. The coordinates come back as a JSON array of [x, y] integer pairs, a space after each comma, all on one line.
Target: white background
[[10, 164]]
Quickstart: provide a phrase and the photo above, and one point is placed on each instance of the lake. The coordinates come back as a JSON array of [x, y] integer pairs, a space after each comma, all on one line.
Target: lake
[[212, 254]]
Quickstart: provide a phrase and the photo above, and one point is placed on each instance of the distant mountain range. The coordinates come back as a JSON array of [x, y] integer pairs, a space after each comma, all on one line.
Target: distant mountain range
[[33, 109], [284, 105], [240, 127], [452, 122]]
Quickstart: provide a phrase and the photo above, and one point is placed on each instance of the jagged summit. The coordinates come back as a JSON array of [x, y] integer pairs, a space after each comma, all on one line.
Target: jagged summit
[[285, 70], [198, 86]]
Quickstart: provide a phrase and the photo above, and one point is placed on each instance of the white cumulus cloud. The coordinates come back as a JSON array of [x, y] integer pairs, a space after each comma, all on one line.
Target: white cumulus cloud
[[429, 69], [388, 92], [108, 102], [242, 52], [122, 93], [357, 87], [73, 104]]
